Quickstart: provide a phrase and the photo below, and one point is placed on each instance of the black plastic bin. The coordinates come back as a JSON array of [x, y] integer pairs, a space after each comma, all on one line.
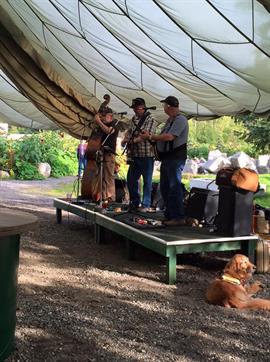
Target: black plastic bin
[[9, 261], [12, 224], [235, 211]]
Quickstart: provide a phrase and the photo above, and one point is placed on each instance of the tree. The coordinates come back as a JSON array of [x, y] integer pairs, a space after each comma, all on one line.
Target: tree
[[256, 131], [222, 133]]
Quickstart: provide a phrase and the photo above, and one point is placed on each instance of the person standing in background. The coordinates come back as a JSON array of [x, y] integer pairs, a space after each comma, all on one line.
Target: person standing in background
[[171, 145], [82, 161]]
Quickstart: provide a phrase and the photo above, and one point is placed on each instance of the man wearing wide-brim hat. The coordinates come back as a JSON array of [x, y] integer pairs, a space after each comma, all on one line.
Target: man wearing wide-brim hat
[[140, 156], [171, 145]]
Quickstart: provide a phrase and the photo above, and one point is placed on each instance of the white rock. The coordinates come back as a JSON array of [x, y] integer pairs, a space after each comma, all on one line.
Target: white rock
[[240, 159], [212, 155], [44, 169], [252, 165], [4, 174], [4, 127], [217, 164], [263, 160], [191, 166]]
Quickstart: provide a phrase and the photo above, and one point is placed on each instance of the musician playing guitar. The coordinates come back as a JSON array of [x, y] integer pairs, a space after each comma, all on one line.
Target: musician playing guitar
[[172, 149], [140, 155], [102, 139]]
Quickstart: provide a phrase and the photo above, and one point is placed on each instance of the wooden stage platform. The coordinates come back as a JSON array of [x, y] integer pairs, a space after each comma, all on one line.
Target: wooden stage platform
[[166, 241]]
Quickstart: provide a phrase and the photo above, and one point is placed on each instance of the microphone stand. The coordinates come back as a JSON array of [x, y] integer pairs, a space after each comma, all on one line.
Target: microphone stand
[[130, 139]]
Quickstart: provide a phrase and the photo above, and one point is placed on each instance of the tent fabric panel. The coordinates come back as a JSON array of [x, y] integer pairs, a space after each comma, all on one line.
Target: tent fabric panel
[[13, 99], [46, 61], [33, 82], [80, 50], [9, 115]]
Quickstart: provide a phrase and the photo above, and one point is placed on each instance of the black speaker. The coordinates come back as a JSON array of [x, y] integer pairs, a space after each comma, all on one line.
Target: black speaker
[[202, 205], [156, 198], [235, 212]]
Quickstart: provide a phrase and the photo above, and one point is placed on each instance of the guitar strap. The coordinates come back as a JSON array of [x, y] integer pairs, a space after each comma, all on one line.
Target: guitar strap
[[167, 151], [170, 143], [141, 121], [139, 126]]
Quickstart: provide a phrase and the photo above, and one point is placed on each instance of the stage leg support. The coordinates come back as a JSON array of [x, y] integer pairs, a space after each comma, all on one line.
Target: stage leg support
[[58, 216], [130, 249], [97, 233], [171, 266], [248, 248]]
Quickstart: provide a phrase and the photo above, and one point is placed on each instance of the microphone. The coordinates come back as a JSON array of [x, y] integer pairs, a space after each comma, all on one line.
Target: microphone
[[121, 113], [152, 108]]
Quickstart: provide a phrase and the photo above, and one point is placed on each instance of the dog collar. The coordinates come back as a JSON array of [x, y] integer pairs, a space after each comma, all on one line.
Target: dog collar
[[231, 280]]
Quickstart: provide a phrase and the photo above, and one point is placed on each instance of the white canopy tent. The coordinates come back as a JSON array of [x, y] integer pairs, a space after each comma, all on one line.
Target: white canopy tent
[[64, 55]]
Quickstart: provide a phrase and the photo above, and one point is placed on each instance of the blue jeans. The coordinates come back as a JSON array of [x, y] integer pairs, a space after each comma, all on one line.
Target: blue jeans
[[171, 189], [82, 165], [141, 166]]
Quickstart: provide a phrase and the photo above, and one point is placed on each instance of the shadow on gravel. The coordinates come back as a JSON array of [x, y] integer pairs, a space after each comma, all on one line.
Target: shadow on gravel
[[79, 301]]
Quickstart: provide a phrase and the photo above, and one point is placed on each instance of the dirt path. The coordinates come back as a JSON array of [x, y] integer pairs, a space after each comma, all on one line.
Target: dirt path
[[31, 191], [78, 301]]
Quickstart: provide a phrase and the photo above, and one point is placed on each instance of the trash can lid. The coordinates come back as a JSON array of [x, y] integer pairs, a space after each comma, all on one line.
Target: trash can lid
[[14, 222]]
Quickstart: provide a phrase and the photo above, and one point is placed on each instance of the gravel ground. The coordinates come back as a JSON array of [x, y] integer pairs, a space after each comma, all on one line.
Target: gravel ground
[[79, 301]]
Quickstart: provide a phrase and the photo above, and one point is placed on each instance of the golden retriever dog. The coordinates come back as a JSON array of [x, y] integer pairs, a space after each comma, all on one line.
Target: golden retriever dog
[[233, 290]]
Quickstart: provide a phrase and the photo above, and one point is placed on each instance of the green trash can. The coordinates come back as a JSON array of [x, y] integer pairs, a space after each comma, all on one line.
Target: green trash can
[[9, 262], [12, 223]]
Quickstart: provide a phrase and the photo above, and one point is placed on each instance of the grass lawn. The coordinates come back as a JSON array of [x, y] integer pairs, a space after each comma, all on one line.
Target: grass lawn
[[62, 189], [265, 199]]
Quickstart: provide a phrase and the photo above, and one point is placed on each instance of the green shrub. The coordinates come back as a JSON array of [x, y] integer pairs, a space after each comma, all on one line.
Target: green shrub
[[198, 151], [122, 161], [62, 163], [222, 133], [27, 171], [4, 154], [28, 149], [45, 146], [27, 155]]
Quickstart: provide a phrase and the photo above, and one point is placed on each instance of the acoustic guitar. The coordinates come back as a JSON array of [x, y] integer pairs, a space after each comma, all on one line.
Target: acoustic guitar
[[152, 143]]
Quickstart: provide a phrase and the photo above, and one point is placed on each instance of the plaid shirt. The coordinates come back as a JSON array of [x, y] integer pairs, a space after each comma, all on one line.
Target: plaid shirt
[[144, 148]]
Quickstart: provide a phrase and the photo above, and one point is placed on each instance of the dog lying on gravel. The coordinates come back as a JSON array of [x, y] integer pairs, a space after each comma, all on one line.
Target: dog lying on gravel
[[232, 290]]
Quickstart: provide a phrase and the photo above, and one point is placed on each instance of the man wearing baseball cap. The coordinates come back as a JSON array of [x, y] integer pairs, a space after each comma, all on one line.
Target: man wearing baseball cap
[[140, 155], [171, 145]]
